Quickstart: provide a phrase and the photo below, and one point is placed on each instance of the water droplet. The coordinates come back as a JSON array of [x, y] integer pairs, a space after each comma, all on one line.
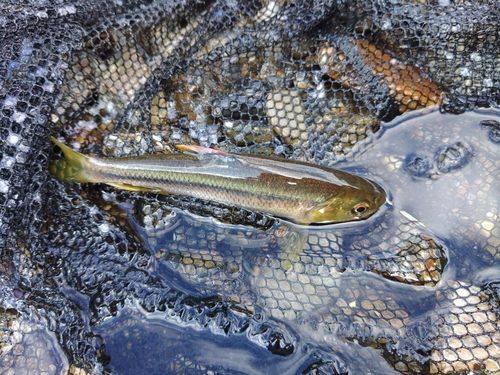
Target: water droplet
[[418, 165], [452, 157]]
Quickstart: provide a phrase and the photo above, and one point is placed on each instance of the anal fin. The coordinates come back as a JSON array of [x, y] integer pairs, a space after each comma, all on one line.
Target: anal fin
[[130, 187]]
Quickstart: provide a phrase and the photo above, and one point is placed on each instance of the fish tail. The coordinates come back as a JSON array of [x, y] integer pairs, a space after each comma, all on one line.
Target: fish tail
[[70, 169]]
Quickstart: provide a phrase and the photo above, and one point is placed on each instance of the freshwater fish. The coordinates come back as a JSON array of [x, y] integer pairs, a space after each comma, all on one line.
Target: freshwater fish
[[299, 192]]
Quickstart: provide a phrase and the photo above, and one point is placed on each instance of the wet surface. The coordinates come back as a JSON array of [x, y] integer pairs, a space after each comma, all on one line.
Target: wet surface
[[413, 290], [153, 344], [403, 292]]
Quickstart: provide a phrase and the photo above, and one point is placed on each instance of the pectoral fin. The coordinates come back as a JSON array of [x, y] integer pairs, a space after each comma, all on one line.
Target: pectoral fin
[[293, 246]]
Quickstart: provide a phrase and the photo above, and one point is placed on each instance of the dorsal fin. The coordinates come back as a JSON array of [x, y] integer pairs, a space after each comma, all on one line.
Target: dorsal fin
[[199, 150]]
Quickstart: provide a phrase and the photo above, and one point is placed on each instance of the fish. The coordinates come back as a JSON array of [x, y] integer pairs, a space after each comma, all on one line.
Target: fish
[[295, 191]]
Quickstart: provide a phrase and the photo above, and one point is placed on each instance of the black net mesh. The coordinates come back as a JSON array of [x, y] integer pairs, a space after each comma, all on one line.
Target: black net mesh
[[307, 80]]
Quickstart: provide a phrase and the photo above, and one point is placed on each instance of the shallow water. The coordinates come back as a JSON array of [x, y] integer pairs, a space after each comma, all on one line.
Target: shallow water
[[375, 297]]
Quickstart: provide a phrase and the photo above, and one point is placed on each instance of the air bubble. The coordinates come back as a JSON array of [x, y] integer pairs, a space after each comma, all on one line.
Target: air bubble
[[104, 228], [452, 157], [13, 139], [4, 186], [418, 165], [494, 130]]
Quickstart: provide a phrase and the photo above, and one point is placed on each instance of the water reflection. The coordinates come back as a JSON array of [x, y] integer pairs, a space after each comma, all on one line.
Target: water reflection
[[141, 343], [392, 294]]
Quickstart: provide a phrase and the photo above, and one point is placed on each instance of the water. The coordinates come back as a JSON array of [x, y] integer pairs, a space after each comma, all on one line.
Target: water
[[409, 290]]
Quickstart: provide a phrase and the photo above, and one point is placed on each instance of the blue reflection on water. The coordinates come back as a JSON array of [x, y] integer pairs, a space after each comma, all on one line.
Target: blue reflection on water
[[321, 285]]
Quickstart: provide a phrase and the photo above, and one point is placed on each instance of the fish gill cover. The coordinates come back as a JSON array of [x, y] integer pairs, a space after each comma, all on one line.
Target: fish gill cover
[[94, 280]]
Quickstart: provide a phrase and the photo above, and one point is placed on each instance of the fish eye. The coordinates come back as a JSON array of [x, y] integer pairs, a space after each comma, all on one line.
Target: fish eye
[[360, 208]]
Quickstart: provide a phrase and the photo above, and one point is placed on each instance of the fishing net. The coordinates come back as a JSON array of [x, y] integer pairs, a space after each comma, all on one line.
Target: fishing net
[[306, 80]]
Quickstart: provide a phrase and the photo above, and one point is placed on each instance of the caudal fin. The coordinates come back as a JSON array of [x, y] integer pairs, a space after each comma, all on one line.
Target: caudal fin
[[71, 168]]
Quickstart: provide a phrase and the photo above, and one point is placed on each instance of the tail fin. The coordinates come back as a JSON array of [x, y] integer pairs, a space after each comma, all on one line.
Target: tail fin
[[71, 168]]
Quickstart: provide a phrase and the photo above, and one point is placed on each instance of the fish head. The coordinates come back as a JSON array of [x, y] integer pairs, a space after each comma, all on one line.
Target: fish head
[[353, 203]]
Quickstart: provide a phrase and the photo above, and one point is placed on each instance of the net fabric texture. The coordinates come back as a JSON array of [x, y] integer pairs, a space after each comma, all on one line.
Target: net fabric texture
[[308, 80]]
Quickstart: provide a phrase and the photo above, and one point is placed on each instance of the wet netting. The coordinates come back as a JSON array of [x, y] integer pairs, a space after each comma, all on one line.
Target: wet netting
[[95, 280]]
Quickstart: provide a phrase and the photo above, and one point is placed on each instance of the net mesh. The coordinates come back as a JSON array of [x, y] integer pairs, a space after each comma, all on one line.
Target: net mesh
[[307, 80]]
